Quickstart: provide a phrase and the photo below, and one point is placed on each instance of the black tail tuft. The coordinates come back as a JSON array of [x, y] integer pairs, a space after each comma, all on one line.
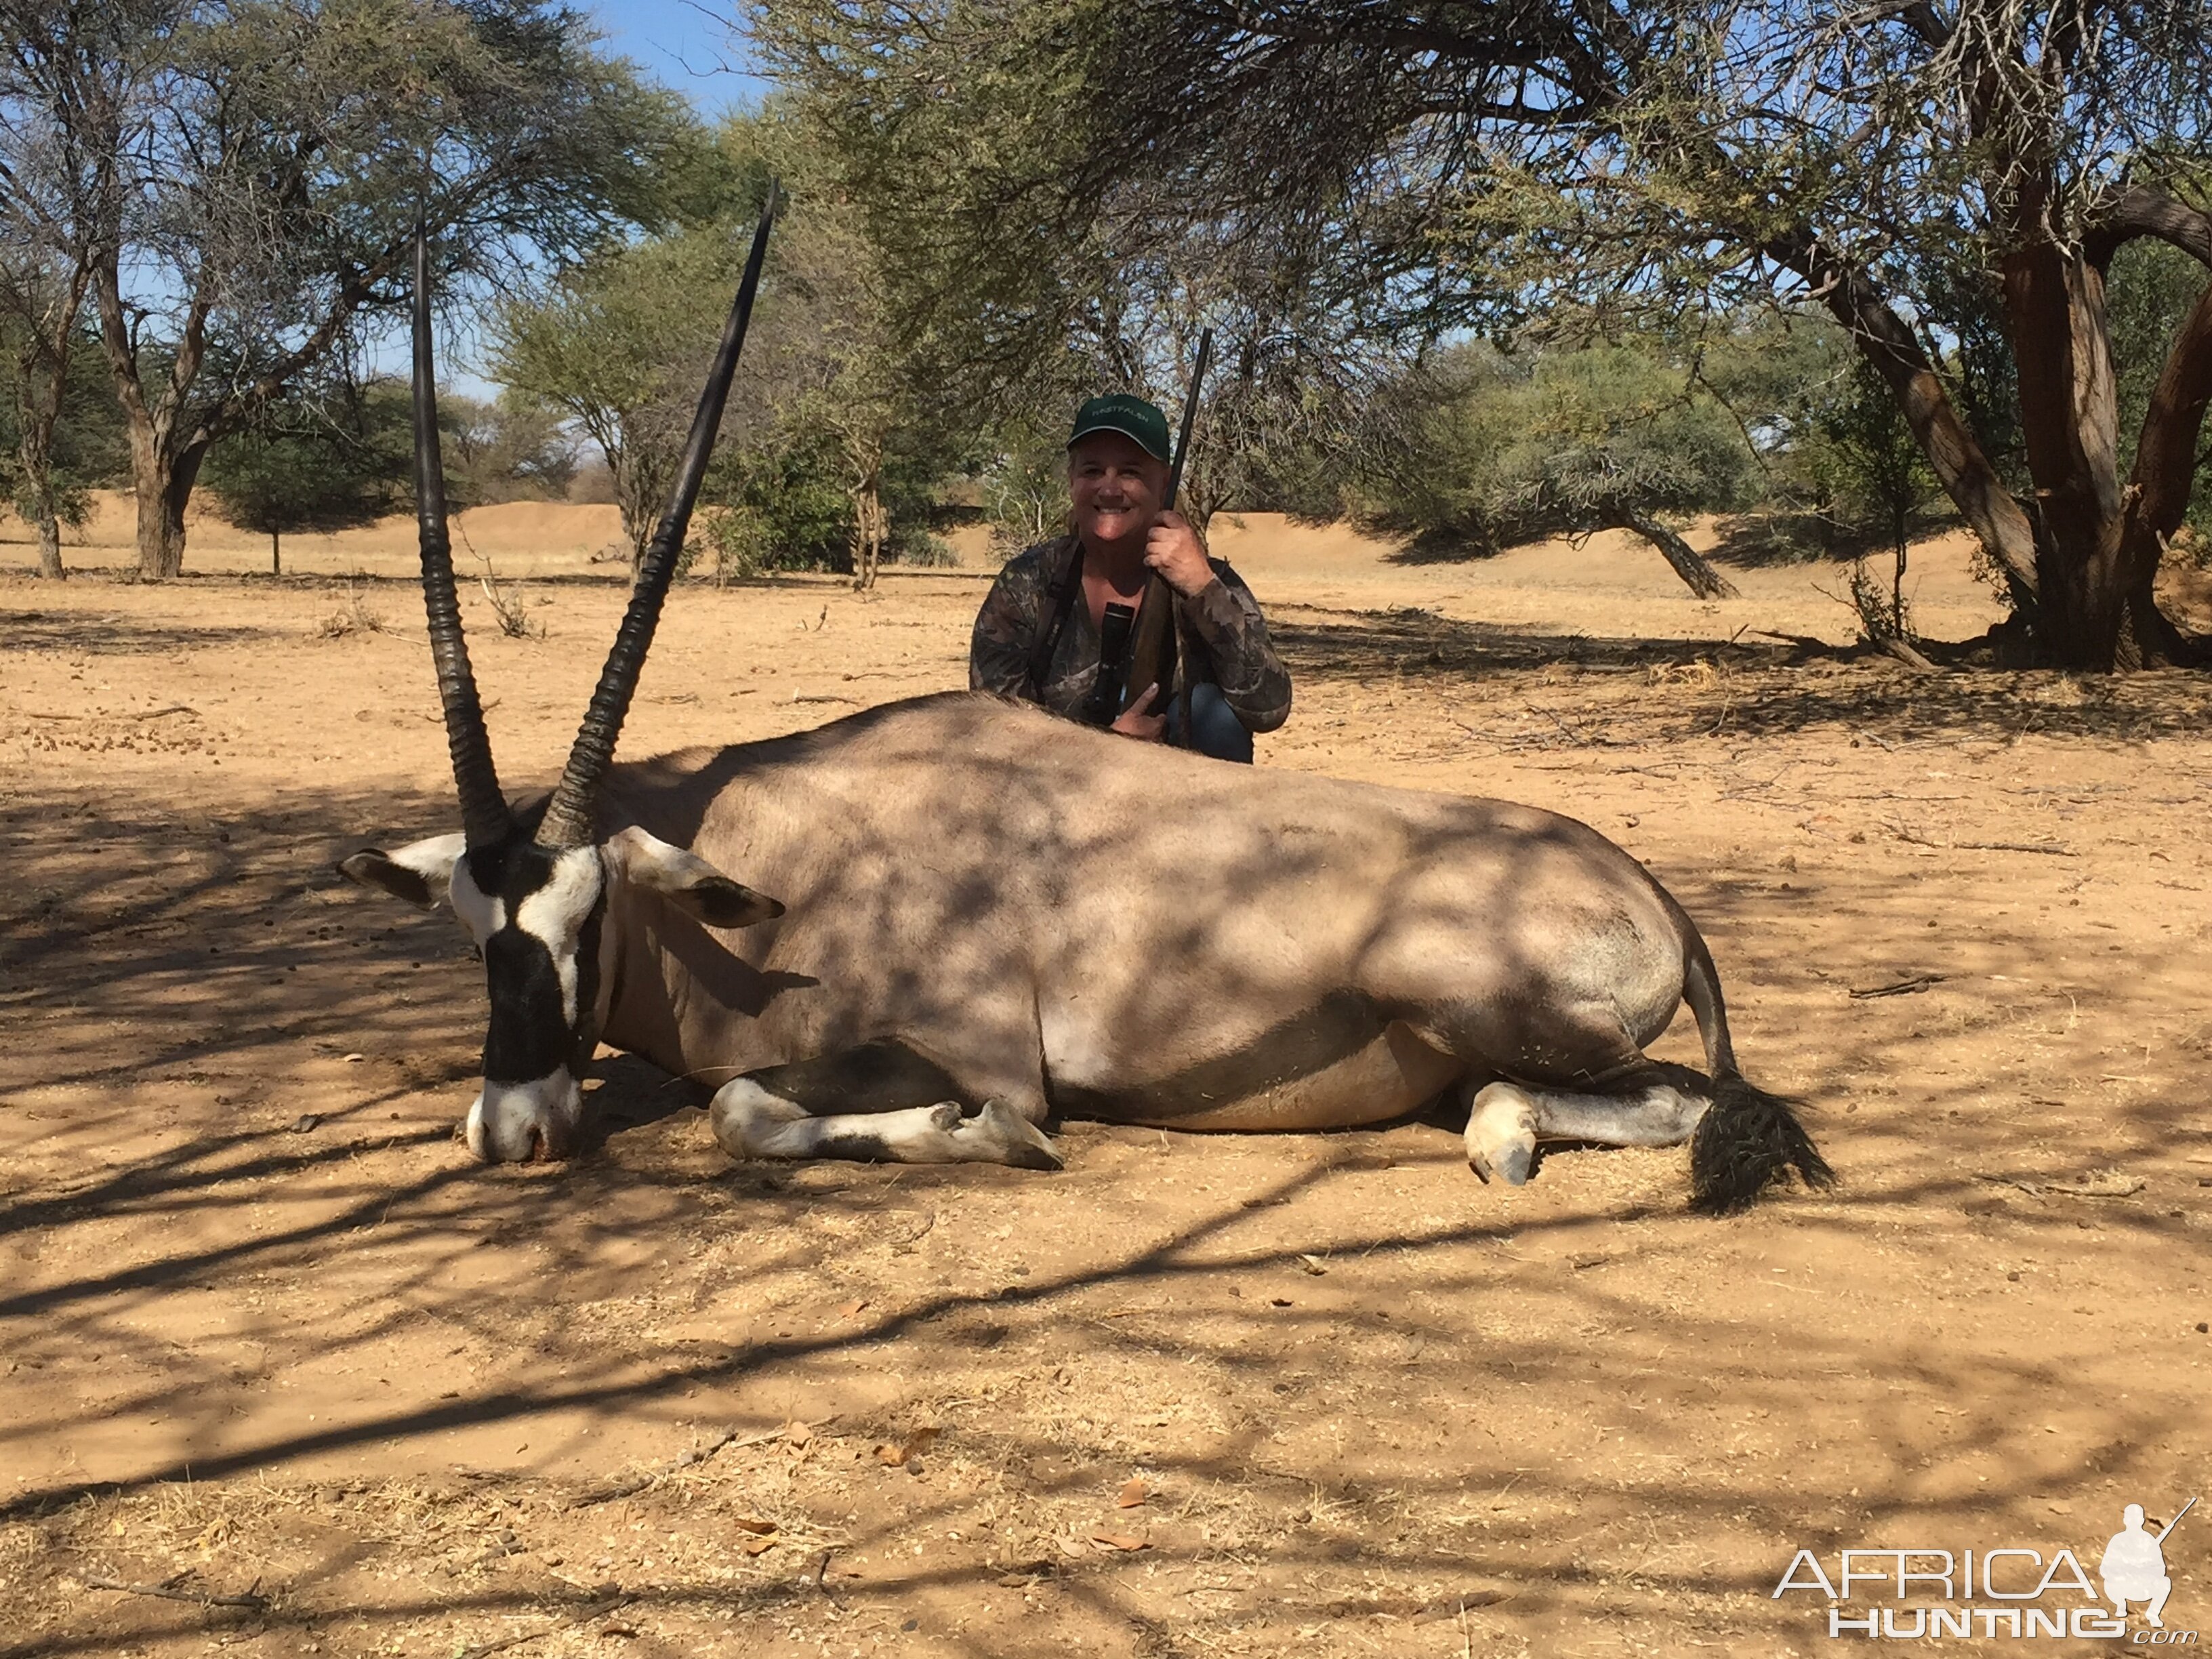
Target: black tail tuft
[[1747, 1140]]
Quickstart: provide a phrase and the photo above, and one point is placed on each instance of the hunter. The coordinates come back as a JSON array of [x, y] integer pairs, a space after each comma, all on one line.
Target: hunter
[[1033, 640]]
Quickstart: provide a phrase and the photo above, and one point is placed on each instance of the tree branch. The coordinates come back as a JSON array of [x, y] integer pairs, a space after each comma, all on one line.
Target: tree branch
[[1887, 342], [2166, 451], [2144, 212]]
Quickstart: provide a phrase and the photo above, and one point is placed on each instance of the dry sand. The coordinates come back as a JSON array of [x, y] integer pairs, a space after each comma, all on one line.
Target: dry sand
[[265, 1331]]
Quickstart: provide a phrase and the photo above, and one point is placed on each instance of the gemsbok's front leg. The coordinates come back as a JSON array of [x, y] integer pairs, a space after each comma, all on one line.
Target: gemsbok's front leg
[[878, 1104]]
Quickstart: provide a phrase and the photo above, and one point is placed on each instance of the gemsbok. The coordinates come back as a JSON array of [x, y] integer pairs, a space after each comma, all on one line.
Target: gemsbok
[[985, 916]]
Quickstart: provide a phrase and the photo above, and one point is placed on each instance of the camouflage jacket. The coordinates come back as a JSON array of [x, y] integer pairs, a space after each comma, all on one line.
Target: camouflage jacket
[[1223, 624]]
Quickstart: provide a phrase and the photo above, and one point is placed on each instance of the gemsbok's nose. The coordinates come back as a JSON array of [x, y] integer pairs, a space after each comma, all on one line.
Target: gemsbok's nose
[[528, 1122]]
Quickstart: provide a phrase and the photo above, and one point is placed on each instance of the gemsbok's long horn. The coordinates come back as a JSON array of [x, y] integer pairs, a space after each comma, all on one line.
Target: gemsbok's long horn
[[484, 817], [567, 821]]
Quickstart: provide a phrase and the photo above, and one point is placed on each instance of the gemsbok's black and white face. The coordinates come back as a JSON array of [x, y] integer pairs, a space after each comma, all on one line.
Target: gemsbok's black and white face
[[538, 916], [536, 897]]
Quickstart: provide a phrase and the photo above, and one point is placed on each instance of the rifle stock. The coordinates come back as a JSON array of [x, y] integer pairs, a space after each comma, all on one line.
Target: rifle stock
[[1151, 651]]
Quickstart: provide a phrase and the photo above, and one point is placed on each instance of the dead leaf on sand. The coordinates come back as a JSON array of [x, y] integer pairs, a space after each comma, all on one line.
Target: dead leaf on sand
[[1132, 1496], [1121, 1540]]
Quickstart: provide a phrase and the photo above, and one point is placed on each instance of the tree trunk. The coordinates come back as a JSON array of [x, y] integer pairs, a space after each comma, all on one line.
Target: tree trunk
[[2158, 491], [2069, 420], [868, 534], [1701, 578], [50, 546], [1887, 342], [34, 453], [42, 383], [276, 553], [162, 475]]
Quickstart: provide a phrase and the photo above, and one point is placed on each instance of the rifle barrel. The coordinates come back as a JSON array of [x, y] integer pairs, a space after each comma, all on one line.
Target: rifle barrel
[[1149, 659]]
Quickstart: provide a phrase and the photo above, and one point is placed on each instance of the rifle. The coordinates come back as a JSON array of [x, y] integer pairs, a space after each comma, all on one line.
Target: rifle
[[1107, 697], [1152, 646]]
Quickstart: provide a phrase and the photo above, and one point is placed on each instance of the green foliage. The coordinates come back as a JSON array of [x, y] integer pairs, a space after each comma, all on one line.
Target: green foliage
[[781, 507], [91, 442], [514, 449], [1488, 449], [620, 344], [1023, 485], [2149, 290], [315, 463], [245, 178]]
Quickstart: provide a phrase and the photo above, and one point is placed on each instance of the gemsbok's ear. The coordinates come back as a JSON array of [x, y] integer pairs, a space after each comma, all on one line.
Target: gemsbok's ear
[[420, 873], [687, 881]]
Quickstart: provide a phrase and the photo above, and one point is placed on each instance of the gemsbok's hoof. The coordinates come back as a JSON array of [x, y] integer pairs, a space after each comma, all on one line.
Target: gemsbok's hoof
[[1501, 1134], [1022, 1145]]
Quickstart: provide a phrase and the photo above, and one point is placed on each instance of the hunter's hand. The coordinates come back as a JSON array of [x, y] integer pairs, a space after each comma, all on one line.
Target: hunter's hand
[[1138, 720], [1175, 552]]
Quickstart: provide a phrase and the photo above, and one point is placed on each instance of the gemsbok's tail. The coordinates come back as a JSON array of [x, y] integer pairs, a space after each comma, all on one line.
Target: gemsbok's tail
[[1748, 1139]]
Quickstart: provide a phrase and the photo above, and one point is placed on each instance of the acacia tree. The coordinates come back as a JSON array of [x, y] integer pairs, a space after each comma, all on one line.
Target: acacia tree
[[1921, 168], [1477, 448], [58, 203], [314, 460], [616, 343], [272, 160]]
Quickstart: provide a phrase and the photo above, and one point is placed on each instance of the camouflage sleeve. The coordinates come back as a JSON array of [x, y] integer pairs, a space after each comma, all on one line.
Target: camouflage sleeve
[[1254, 682], [1006, 626]]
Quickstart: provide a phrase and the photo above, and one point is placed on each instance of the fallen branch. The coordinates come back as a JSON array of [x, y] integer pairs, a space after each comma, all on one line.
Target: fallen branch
[[584, 1618], [1903, 987], [684, 1460], [1911, 657], [823, 697], [169, 1592], [2110, 1185], [102, 715], [1914, 838]]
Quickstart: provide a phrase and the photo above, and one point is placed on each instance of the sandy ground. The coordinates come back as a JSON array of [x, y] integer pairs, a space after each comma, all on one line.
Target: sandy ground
[[266, 1334]]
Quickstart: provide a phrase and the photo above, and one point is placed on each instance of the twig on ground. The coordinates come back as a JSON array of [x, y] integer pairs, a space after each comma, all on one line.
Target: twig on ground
[[1803, 642], [821, 696], [1903, 987], [583, 1617], [169, 1592], [2110, 1184], [102, 715], [1913, 837], [685, 1460]]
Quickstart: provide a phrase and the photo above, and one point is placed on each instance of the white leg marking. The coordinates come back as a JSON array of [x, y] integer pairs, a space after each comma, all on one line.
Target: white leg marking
[[1509, 1119], [1501, 1133], [750, 1122]]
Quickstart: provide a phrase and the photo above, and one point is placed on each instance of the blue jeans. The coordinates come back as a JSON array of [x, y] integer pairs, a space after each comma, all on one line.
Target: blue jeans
[[1214, 728]]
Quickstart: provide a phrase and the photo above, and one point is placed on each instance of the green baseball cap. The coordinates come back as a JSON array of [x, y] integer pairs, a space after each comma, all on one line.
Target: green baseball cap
[[1141, 423]]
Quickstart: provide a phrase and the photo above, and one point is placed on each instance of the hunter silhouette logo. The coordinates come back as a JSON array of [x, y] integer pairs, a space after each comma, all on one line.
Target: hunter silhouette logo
[[2013, 1591], [2134, 1566]]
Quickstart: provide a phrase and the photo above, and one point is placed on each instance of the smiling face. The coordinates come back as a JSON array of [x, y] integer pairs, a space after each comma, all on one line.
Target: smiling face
[[539, 916], [1116, 488]]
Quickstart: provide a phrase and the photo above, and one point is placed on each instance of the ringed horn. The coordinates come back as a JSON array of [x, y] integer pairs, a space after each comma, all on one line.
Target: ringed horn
[[567, 820]]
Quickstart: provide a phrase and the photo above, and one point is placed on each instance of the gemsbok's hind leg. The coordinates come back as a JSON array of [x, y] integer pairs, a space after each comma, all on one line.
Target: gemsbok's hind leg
[[878, 1104], [1509, 1119]]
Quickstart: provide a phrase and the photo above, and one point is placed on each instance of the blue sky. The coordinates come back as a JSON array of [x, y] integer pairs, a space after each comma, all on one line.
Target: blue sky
[[688, 44], [691, 47]]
